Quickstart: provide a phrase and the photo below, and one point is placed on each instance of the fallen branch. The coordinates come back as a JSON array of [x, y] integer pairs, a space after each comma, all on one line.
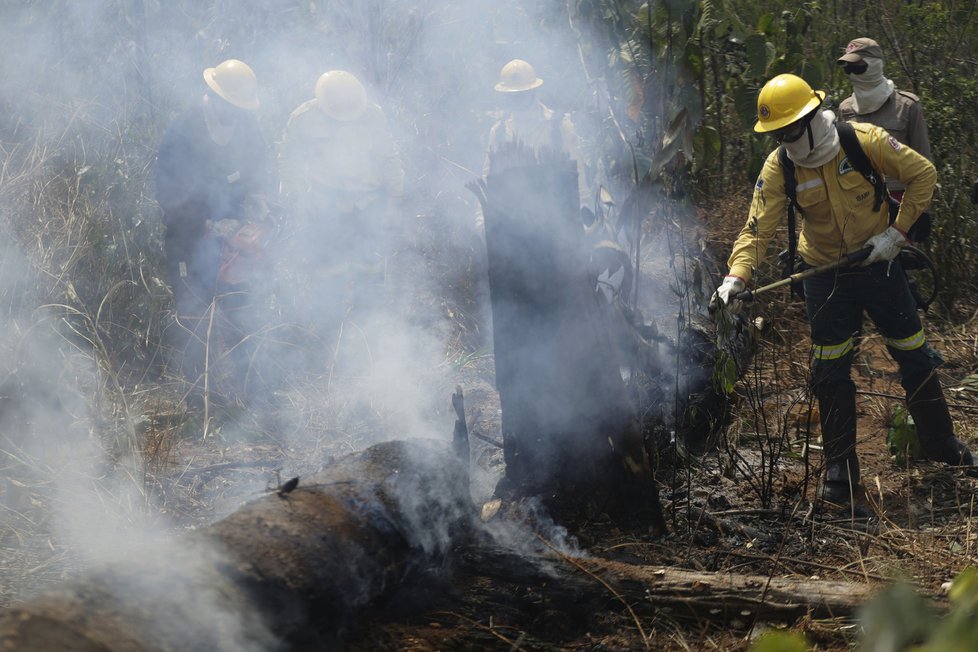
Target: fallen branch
[[700, 595]]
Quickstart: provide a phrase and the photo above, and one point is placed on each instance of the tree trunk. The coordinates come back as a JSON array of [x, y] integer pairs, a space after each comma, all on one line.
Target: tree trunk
[[567, 424], [292, 567]]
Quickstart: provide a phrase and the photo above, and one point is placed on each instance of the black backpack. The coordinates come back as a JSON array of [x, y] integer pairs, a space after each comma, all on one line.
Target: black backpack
[[861, 163]]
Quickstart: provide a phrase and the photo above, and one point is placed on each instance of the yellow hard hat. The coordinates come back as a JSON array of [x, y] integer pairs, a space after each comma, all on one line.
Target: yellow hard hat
[[517, 76], [340, 95], [784, 100], [235, 82]]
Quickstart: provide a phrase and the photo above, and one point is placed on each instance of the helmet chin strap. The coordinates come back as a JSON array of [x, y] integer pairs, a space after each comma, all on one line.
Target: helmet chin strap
[[808, 130]]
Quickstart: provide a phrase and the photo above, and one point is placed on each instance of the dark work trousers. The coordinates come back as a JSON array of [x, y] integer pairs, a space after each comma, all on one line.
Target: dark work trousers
[[341, 259], [836, 302], [192, 265], [238, 326]]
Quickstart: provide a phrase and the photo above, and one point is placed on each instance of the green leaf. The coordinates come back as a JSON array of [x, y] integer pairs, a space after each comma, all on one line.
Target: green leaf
[[693, 55], [895, 619], [709, 17], [964, 588], [706, 147], [814, 73], [671, 142], [725, 367], [778, 641], [756, 162], [764, 23], [959, 630], [901, 437], [756, 47], [745, 102]]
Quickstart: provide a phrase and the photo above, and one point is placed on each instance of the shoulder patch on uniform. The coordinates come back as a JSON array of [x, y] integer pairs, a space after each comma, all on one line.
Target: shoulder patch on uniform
[[759, 184], [845, 166], [894, 143]]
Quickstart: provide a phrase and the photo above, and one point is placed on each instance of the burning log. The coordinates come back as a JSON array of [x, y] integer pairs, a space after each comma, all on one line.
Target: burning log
[[568, 426], [295, 566]]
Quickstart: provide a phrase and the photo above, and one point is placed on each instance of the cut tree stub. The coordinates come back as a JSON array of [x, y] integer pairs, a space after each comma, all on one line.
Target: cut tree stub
[[567, 423]]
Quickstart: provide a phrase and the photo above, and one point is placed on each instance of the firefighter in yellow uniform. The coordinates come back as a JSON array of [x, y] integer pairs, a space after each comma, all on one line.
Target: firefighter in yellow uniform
[[341, 172], [839, 219]]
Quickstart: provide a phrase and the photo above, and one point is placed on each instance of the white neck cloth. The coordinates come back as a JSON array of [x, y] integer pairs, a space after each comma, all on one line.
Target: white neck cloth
[[219, 133], [870, 89], [826, 140]]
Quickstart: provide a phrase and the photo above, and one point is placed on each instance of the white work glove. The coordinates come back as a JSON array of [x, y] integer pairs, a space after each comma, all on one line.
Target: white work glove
[[886, 245], [226, 228], [730, 288]]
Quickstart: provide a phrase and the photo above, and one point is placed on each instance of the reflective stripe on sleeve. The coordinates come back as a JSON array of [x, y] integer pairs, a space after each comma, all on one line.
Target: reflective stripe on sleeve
[[811, 183], [833, 351], [915, 341]]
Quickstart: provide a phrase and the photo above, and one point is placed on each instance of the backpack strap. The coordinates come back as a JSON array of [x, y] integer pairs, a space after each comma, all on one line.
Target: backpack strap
[[788, 171], [556, 134], [861, 163]]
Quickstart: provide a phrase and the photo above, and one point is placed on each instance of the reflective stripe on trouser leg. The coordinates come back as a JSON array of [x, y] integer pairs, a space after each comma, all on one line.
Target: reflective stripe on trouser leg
[[831, 351], [915, 341], [892, 308], [835, 313]]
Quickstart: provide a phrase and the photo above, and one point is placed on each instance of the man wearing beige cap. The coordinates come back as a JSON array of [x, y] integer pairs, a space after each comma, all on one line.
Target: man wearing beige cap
[[877, 101]]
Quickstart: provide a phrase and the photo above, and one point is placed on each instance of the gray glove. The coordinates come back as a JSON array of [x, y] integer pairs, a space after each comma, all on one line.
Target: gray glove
[[886, 245], [226, 228], [731, 287]]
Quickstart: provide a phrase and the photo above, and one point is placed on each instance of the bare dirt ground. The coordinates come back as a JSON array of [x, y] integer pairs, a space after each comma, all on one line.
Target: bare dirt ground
[[744, 507]]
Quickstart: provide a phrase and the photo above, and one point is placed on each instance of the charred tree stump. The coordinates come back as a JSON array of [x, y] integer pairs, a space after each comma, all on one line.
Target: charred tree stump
[[567, 423], [291, 570]]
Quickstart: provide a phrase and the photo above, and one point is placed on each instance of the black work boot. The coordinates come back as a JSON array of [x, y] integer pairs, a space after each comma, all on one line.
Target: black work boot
[[841, 481], [837, 414], [935, 429]]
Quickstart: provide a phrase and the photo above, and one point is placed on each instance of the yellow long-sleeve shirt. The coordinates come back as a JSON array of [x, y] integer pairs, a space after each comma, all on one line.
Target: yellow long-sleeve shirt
[[836, 201], [357, 158]]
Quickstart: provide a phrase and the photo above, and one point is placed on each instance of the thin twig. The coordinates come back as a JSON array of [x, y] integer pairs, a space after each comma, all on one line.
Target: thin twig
[[514, 645], [611, 589], [865, 392]]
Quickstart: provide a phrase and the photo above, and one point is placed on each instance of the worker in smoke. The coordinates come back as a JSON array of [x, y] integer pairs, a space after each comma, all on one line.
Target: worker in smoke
[[841, 217], [876, 100], [342, 177], [528, 121], [211, 176], [525, 120]]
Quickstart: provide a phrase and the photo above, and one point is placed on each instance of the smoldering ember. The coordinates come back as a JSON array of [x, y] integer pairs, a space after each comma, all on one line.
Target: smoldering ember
[[429, 325]]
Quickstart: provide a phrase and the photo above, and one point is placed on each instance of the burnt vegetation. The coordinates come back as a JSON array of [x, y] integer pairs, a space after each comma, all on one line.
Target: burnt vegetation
[[616, 468]]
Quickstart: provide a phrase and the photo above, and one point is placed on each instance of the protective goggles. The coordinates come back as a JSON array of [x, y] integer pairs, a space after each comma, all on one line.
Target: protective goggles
[[855, 67], [791, 133]]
